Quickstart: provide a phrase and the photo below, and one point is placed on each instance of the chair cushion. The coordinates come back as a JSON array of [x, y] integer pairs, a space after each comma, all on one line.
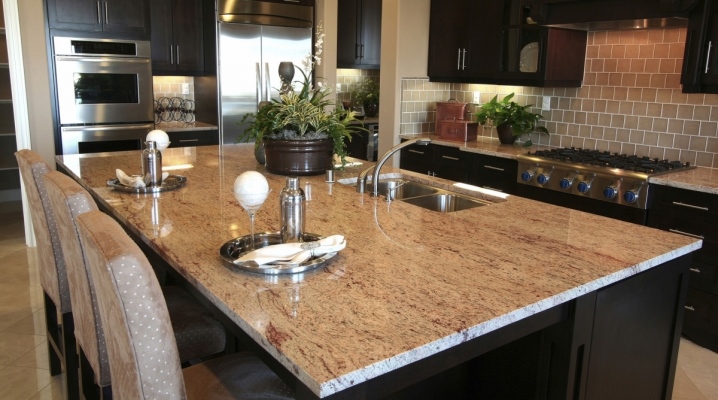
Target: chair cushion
[[237, 376]]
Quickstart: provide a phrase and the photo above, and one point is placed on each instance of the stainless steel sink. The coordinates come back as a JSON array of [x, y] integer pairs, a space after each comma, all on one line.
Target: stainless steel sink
[[427, 197], [401, 189], [445, 202]]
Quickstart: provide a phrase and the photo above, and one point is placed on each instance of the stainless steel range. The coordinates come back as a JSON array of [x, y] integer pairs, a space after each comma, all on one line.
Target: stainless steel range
[[610, 184]]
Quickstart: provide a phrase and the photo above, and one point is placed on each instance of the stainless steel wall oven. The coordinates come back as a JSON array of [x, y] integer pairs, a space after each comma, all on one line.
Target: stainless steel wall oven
[[104, 93]]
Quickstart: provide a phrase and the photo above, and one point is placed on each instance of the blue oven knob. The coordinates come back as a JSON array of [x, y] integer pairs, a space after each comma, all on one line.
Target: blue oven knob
[[527, 175], [565, 183], [610, 192], [630, 196], [542, 179], [583, 187]]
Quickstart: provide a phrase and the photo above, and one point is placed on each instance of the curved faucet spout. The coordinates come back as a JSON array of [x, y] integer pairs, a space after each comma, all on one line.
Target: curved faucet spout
[[361, 181]]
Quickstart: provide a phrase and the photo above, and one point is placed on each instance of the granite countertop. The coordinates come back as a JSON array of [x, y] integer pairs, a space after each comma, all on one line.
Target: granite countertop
[[177, 126], [699, 179], [410, 283]]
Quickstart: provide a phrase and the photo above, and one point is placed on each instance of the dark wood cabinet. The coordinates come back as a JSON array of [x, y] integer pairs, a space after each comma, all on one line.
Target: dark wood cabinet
[[451, 163], [502, 49], [418, 158], [363, 143], [494, 173], [206, 137], [177, 45], [700, 60], [694, 214], [359, 34], [126, 16]]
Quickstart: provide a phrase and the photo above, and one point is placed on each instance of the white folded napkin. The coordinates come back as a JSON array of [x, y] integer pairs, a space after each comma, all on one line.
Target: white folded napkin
[[294, 252], [134, 181]]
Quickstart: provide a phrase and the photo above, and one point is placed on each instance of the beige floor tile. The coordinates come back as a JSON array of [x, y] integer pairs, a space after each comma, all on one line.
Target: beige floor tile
[[35, 358], [10, 316], [19, 296], [684, 388], [13, 346], [22, 383], [33, 324], [53, 391]]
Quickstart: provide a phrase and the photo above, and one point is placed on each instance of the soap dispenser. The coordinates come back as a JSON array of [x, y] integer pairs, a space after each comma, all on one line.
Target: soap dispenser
[[292, 202]]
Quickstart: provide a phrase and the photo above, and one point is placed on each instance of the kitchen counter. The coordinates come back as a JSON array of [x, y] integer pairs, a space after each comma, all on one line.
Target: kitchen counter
[[699, 179], [177, 126], [411, 283]]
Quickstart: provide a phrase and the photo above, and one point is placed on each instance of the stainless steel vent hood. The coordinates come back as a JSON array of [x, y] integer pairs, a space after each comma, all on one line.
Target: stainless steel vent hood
[[265, 13], [646, 23]]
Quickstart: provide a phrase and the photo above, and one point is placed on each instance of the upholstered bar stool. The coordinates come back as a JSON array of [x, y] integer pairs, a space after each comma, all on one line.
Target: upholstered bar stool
[[61, 347], [197, 333], [143, 353]]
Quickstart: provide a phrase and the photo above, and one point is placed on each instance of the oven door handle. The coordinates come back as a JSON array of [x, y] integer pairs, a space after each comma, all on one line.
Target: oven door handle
[[105, 127], [104, 59]]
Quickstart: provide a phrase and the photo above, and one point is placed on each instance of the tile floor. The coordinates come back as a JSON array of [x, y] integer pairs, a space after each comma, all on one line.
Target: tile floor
[[24, 371]]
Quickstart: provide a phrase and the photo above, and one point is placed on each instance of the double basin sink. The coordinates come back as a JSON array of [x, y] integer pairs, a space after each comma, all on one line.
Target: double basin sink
[[425, 196]]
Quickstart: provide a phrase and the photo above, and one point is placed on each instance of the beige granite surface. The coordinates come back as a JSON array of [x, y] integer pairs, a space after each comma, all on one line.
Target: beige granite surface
[[410, 283], [699, 179], [177, 126]]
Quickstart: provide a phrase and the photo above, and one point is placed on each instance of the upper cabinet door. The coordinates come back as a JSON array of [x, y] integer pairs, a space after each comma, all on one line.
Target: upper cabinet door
[[359, 34], [116, 16], [161, 37], [700, 61], [177, 44], [450, 29]]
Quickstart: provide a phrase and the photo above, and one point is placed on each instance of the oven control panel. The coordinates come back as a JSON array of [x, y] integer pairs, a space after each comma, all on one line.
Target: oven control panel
[[601, 183]]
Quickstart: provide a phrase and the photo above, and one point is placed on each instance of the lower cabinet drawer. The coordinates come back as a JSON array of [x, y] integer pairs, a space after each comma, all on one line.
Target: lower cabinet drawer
[[701, 311], [193, 138]]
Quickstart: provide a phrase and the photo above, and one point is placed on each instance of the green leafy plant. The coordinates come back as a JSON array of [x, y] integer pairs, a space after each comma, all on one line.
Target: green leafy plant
[[366, 92], [304, 115], [507, 112]]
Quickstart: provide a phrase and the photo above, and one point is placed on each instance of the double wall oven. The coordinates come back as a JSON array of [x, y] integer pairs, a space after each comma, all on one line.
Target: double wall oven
[[104, 94]]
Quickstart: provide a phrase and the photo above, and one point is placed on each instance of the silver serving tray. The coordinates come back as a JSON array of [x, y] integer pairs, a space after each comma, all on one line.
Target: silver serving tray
[[172, 182], [237, 247]]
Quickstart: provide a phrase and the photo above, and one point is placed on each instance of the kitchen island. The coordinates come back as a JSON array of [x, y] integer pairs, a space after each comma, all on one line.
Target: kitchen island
[[418, 295]]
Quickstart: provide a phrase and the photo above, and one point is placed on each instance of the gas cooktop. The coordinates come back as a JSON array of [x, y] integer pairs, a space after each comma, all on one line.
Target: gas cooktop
[[611, 177]]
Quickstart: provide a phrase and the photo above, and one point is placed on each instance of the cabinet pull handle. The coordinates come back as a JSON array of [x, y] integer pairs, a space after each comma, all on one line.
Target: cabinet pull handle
[[99, 13], [107, 18], [708, 54], [178, 58], [678, 203], [463, 61], [416, 152], [356, 50], [451, 158], [696, 270], [362, 51], [494, 168], [431, 173], [689, 308], [687, 234], [494, 189], [172, 55], [458, 60], [188, 140]]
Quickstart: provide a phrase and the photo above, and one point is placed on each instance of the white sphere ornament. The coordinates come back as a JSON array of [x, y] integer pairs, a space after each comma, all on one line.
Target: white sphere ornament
[[251, 189], [160, 137]]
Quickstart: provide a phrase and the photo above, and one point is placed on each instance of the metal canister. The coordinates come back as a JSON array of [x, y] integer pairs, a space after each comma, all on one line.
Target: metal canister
[[152, 165], [292, 203]]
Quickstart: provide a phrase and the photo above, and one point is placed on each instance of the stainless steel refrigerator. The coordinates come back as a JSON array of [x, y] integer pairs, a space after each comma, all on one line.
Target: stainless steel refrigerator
[[251, 45]]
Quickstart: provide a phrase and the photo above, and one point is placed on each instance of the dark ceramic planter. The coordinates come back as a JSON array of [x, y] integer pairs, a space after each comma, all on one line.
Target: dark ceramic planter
[[371, 109], [506, 134], [298, 157]]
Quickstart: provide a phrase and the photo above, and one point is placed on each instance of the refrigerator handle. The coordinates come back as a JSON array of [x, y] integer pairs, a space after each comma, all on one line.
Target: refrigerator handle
[[259, 86], [267, 82]]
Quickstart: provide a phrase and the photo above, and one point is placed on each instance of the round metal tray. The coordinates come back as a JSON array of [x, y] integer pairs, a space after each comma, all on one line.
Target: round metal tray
[[237, 247], [172, 182]]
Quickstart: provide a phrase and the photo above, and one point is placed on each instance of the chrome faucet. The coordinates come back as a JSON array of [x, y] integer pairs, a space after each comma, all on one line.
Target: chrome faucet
[[361, 181]]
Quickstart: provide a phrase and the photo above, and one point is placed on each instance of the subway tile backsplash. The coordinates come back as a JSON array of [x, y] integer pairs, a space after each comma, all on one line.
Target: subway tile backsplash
[[630, 102]]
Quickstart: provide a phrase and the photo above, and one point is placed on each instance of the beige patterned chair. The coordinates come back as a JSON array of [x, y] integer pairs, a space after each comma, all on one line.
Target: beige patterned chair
[[196, 332], [144, 361], [53, 277]]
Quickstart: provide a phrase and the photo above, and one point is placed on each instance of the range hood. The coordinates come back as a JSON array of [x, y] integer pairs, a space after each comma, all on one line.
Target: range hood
[[646, 23]]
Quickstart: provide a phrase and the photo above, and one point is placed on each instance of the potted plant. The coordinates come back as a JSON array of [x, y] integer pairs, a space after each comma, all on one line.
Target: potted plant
[[302, 130], [367, 94], [510, 119]]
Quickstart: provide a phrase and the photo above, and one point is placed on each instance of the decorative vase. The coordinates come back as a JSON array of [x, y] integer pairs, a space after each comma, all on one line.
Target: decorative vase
[[298, 157], [371, 109], [506, 134]]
